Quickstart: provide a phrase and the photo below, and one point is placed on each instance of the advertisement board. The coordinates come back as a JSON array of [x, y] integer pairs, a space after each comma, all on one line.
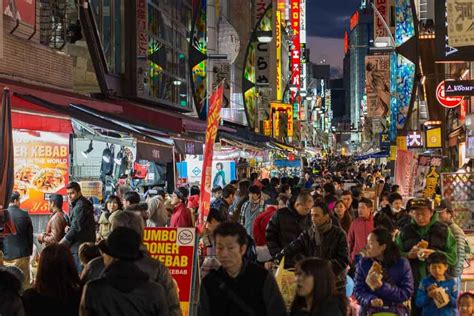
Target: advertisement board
[[459, 87], [427, 175], [22, 10], [377, 85], [383, 7], [296, 49], [176, 249], [41, 161], [223, 171], [404, 165], [460, 27]]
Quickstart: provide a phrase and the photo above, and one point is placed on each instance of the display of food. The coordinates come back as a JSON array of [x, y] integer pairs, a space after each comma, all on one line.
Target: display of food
[[26, 173], [22, 188], [48, 180]]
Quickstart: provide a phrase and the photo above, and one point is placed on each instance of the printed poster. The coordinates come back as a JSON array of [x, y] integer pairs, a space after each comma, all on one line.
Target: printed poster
[[404, 171], [427, 175], [41, 161], [460, 22], [377, 85], [176, 249]]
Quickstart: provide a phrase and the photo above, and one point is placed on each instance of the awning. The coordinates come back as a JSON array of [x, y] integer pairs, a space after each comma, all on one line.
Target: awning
[[40, 122], [374, 155], [152, 151]]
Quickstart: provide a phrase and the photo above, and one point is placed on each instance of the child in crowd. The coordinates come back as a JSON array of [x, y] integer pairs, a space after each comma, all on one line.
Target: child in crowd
[[437, 294], [87, 252], [466, 304]]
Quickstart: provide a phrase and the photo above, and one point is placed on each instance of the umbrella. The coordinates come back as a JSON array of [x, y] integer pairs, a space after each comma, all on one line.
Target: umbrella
[[6, 163]]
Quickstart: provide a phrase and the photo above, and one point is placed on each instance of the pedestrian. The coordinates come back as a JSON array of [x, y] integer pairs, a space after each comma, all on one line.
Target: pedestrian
[[207, 243], [56, 290], [330, 195], [216, 193], [251, 209], [316, 293], [238, 287], [466, 304], [346, 197], [287, 224], [154, 268], [322, 240], [56, 224], [225, 201], [242, 196], [360, 229], [112, 205], [395, 211], [123, 289], [342, 216], [132, 202], [259, 228], [193, 201], [10, 289], [82, 228], [157, 209], [19, 247], [423, 236], [437, 293], [181, 214], [87, 252], [446, 214], [383, 277]]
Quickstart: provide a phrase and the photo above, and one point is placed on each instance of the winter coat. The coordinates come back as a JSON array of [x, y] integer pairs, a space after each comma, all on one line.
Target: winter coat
[[181, 217], [254, 286], [249, 213], [123, 289], [428, 305], [333, 306], [156, 271], [54, 229], [462, 244], [357, 235], [82, 227], [397, 282], [439, 238], [19, 245], [284, 227], [158, 212], [104, 224], [260, 225], [222, 206], [399, 219], [39, 304]]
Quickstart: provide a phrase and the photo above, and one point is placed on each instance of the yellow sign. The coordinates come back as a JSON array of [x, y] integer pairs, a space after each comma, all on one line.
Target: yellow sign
[[402, 142], [267, 127], [279, 91], [393, 153], [277, 108], [433, 138]]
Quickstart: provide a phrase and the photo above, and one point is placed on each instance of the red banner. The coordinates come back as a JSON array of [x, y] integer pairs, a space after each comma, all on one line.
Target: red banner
[[296, 50], [213, 120], [175, 248]]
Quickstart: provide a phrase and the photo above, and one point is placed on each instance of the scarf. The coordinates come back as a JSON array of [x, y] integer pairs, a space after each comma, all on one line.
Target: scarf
[[324, 227]]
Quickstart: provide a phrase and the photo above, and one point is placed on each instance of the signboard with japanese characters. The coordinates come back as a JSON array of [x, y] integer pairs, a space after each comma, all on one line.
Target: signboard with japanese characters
[[415, 139], [427, 175], [460, 22]]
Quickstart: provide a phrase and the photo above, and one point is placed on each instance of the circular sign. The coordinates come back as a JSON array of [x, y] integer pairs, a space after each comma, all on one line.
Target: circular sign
[[447, 102]]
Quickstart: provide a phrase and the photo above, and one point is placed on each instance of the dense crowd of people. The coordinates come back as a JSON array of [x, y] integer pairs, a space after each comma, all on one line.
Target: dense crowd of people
[[351, 252]]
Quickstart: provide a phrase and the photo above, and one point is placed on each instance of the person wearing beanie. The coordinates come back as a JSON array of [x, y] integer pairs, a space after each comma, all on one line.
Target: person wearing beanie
[[182, 216]]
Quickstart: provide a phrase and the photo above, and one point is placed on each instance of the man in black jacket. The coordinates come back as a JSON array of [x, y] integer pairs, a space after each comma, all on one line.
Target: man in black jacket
[[323, 240], [238, 287], [287, 224], [397, 214], [19, 247], [82, 227]]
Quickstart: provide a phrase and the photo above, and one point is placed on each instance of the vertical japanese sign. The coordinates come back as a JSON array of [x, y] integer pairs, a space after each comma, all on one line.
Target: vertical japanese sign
[[404, 164], [460, 27], [176, 249], [295, 50], [383, 6], [427, 175], [213, 120], [22, 10], [279, 91], [377, 85], [142, 46], [41, 162]]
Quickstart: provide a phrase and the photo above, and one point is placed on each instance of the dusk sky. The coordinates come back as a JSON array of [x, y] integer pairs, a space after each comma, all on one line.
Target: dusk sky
[[326, 22]]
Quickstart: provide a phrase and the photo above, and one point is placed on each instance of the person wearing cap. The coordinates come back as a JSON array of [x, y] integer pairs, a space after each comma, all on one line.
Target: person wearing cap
[[156, 208], [425, 226], [445, 213], [181, 214], [123, 289]]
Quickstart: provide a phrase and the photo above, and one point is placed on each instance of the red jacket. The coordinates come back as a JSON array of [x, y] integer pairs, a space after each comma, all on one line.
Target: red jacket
[[357, 235], [181, 217], [260, 225]]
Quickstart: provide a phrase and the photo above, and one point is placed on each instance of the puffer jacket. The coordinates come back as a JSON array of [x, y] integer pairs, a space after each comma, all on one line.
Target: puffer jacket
[[82, 224], [398, 285], [284, 227], [123, 289]]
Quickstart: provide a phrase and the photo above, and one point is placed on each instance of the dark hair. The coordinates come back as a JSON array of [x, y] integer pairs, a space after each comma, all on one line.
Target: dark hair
[[57, 274], [15, 196], [74, 186], [284, 187], [228, 191], [220, 164], [132, 197], [303, 196], [9, 282], [253, 176], [340, 202], [244, 186], [437, 257], [88, 251], [215, 214], [284, 180], [216, 189], [56, 200], [367, 202], [329, 188], [194, 190], [232, 229], [283, 197], [122, 189], [322, 273], [115, 198], [234, 182], [323, 207], [465, 294], [265, 182], [394, 188], [394, 196], [391, 254], [274, 181], [356, 192], [255, 189], [381, 220]]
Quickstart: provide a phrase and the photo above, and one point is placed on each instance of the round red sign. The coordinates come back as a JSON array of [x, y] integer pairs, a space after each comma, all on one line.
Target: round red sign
[[447, 102]]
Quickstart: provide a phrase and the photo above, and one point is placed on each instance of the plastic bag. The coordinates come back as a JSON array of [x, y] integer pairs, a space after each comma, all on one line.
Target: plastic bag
[[286, 283]]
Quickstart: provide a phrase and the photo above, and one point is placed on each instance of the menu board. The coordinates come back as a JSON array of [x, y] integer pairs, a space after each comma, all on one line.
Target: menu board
[[41, 167]]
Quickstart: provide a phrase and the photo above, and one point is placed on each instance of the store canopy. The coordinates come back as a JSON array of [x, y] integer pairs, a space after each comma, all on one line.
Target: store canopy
[[373, 155], [40, 122]]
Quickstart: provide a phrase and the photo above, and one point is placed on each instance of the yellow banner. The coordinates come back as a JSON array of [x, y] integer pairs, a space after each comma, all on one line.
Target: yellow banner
[[433, 138], [279, 90], [393, 153], [402, 142]]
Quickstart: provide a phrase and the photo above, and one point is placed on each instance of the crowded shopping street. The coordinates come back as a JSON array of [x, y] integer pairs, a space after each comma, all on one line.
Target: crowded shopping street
[[237, 158]]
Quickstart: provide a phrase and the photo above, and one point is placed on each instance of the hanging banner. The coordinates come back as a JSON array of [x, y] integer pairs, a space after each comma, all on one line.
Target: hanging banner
[[383, 7], [427, 175], [296, 49], [41, 162], [279, 88], [278, 109], [404, 164], [433, 138], [377, 85], [213, 121], [176, 249], [460, 27]]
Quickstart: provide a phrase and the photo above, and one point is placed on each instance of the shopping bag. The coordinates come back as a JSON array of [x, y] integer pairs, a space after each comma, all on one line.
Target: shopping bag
[[286, 282]]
